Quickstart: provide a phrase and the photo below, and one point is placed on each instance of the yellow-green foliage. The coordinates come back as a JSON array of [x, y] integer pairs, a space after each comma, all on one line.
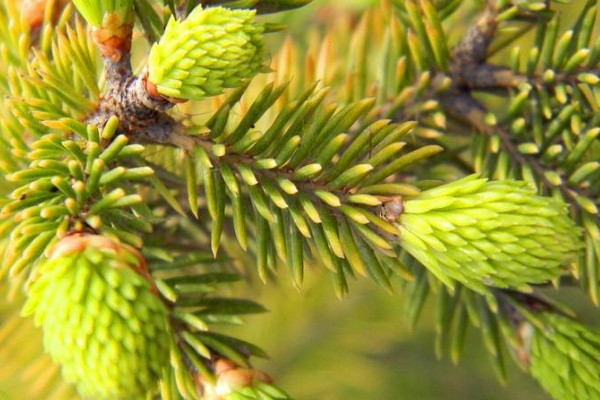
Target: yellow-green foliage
[[100, 318], [338, 158], [489, 233], [94, 11], [565, 358], [212, 49]]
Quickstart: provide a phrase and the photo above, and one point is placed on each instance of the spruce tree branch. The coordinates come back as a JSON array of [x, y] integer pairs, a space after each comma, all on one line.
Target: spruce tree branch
[[469, 71], [469, 68], [189, 143], [307, 186], [140, 115], [117, 72], [465, 108], [471, 52], [490, 76]]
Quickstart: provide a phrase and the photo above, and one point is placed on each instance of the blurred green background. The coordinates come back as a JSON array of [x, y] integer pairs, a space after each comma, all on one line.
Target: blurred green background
[[360, 348]]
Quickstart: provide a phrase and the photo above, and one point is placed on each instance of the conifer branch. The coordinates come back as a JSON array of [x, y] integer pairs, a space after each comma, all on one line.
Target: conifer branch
[[469, 70], [465, 108], [108, 236], [490, 76]]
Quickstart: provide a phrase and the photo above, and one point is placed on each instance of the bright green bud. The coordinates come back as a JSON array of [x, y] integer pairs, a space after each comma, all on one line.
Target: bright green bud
[[101, 318], [562, 355], [212, 49], [96, 12], [480, 233]]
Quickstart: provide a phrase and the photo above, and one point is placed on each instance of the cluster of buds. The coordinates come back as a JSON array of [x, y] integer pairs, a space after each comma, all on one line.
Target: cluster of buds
[[212, 49], [560, 353], [101, 317], [565, 358], [489, 233]]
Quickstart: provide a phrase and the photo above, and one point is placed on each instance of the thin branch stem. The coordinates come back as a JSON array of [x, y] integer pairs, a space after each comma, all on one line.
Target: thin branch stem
[[189, 143], [491, 76]]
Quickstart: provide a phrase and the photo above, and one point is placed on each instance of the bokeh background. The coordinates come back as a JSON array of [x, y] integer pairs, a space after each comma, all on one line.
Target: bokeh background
[[360, 348]]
